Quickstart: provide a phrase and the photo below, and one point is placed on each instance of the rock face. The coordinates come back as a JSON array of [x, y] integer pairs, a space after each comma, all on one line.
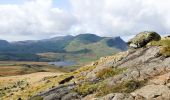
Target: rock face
[[140, 64], [154, 91], [62, 92], [143, 38]]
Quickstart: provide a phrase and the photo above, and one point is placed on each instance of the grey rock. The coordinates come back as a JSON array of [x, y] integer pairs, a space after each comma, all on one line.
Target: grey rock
[[143, 38], [71, 96], [153, 91], [123, 96]]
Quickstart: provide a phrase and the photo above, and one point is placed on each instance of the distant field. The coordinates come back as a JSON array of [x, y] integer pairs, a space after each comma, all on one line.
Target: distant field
[[22, 62], [12, 68], [14, 87], [17, 77]]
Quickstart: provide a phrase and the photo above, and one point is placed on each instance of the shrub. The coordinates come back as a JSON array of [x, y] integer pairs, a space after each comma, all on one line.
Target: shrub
[[109, 72]]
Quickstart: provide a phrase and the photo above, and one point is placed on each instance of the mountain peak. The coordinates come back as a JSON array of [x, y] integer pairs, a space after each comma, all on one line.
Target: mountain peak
[[88, 38]]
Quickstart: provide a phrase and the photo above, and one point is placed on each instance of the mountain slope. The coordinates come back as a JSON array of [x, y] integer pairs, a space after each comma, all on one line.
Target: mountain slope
[[137, 74], [79, 48]]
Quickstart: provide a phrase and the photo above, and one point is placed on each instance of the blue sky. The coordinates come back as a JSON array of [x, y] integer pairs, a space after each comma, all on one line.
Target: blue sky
[[11, 1], [38, 19], [64, 4]]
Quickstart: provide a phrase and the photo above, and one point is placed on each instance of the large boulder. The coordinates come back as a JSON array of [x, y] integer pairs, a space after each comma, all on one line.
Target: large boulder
[[153, 92], [141, 39]]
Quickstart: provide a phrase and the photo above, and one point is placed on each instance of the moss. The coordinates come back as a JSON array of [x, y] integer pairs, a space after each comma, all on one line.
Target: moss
[[109, 72]]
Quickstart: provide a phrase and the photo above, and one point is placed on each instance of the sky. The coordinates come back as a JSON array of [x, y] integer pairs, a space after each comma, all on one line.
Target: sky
[[40, 19]]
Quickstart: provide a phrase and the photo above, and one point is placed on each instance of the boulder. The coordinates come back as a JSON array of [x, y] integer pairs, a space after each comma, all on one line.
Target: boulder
[[143, 38], [153, 92], [117, 96]]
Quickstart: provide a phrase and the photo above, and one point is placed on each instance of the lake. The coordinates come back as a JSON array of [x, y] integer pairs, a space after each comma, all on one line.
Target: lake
[[63, 63]]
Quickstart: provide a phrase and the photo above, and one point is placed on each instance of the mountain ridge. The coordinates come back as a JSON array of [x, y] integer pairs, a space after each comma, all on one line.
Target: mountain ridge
[[64, 46]]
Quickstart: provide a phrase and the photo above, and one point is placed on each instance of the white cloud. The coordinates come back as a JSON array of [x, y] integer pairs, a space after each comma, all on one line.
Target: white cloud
[[122, 17], [40, 18], [34, 18]]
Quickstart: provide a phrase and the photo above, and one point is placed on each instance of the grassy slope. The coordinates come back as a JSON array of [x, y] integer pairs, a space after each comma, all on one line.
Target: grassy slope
[[23, 79], [82, 52]]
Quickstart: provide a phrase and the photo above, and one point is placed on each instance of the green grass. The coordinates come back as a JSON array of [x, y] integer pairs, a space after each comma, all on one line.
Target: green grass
[[164, 46], [109, 72], [124, 87], [86, 88], [164, 42], [101, 88]]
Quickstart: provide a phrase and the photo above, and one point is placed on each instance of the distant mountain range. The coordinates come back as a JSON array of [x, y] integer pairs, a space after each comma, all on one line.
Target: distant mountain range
[[83, 47]]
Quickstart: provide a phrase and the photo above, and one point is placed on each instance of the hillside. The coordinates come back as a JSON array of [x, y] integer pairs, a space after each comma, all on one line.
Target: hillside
[[141, 73], [79, 48], [138, 74]]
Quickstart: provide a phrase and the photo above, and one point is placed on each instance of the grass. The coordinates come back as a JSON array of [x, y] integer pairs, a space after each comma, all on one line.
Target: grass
[[165, 51], [164, 46], [101, 88], [124, 87], [25, 86], [86, 88], [109, 72], [25, 79], [13, 68], [82, 53]]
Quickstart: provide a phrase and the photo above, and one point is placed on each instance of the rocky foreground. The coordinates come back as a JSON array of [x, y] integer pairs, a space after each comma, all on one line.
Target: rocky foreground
[[141, 73]]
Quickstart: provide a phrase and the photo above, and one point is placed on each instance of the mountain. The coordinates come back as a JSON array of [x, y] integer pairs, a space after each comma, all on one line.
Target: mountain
[[137, 74], [78, 48], [140, 73]]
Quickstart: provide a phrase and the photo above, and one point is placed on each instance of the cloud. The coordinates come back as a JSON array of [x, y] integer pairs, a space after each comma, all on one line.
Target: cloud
[[34, 18], [121, 17]]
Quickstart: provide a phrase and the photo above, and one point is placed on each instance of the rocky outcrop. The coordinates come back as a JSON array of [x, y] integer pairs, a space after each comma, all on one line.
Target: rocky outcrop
[[62, 92], [143, 38], [141, 64], [158, 92]]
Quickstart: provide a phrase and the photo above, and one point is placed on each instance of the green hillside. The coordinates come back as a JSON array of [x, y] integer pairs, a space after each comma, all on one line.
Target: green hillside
[[81, 48]]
